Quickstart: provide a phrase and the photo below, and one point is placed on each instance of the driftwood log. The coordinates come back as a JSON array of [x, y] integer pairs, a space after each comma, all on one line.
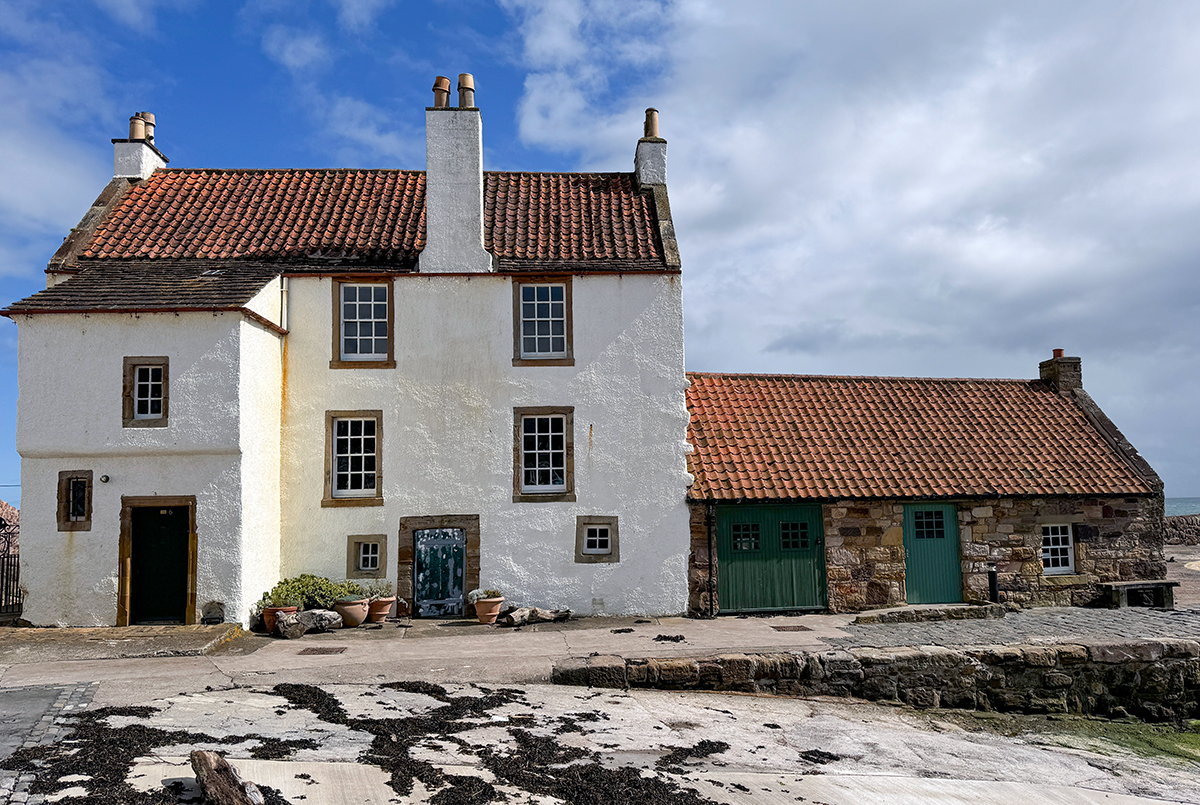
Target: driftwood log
[[220, 783], [524, 615]]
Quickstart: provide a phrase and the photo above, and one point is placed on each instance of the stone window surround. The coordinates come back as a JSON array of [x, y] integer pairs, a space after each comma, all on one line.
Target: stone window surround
[[352, 569], [1069, 575], [581, 525], [328, 500], [128, 420], [406, 554], [564, 360], [336, 361], [65, 523], [567, 495]]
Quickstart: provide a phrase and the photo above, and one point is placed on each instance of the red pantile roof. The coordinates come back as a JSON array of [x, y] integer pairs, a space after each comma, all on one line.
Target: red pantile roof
[[764, 437], [376, 217]]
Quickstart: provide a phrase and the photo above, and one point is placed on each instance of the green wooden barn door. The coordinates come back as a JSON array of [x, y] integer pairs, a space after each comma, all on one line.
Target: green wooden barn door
[[439, 556], [933, 569], [770, 557]]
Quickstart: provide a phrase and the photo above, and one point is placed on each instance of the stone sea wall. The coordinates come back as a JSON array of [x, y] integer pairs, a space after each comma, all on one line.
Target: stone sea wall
[[1182, 529], [1156, 680]]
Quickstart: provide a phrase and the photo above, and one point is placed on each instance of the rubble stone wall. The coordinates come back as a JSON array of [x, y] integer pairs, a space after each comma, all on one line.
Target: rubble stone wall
[[1182, 529], [1156, 680]]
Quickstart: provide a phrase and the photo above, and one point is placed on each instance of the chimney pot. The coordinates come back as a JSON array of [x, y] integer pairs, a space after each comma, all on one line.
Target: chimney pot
[[466, 91], [148, 119], [137, 127], [441, 92], [1058, 353], [651, 128]]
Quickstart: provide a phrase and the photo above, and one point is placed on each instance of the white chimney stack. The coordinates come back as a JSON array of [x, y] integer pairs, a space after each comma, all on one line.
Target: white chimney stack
[[137, 158], [650, 161], [454, 183]]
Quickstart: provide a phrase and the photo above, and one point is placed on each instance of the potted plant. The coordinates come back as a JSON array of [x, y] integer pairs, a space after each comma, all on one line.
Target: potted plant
[[381, 600], [487, 604], [275, 603], [353, 605]]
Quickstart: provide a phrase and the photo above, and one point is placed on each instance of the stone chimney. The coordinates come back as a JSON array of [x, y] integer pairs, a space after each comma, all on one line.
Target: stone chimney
[[1065, 373], [650, 161], [137, 157], [454, 182]]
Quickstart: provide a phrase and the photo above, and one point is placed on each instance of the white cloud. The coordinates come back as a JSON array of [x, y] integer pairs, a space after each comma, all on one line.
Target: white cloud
[[358, 16], [938, 188], [298, 51], [138, 14]]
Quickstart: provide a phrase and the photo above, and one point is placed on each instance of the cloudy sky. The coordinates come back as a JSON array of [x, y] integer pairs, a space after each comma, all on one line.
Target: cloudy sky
[[933, 187]]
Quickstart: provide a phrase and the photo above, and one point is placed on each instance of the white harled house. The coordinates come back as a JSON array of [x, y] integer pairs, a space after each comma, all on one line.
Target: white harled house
[[441, 378]]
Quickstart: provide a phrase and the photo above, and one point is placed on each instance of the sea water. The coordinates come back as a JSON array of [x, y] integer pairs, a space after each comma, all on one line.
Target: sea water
[[1176, 506]]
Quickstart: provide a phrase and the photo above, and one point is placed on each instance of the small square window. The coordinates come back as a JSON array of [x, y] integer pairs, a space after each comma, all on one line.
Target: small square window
[[793, 536], [596, 539], [145, 393], [542, 323], [75, 500], [1058, 549], [746, 536], [366, 556]]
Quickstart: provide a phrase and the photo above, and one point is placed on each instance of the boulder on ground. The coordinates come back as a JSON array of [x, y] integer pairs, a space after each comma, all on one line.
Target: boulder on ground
[[296, 624]]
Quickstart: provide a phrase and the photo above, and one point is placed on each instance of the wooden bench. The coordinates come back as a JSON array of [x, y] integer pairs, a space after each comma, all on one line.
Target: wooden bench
[[1116, 593]]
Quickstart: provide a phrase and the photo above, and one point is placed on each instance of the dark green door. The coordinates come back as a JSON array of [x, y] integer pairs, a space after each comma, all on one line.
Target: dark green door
[[440, 558], [770, 557], [933, 569], [158, 564]]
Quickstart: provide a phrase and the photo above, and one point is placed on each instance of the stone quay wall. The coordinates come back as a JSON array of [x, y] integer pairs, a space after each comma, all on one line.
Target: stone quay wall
[[1183, 529], [1115, 539], [1155, 680]]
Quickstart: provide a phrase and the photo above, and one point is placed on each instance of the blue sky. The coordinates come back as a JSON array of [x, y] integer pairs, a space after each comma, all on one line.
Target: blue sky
[[935, 187]]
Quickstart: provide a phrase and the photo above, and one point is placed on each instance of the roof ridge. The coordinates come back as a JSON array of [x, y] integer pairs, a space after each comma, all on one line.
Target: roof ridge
[[783, 375]]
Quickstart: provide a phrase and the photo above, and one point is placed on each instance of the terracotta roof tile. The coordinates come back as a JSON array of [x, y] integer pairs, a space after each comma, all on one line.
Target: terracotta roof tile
[[789, 436], [535, 221]]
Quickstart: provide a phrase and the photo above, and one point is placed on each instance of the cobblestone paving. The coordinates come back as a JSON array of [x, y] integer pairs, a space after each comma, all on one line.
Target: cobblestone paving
[[1036, 625], [52, 727]]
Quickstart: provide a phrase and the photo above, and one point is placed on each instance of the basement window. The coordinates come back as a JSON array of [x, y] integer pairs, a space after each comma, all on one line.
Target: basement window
[[1058, 550], [366, 556], [596, 539]]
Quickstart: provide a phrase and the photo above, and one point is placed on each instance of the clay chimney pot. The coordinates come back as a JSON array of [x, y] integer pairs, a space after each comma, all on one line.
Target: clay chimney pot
[[651, 128], [137, 128], [441, 92], [466, 91]]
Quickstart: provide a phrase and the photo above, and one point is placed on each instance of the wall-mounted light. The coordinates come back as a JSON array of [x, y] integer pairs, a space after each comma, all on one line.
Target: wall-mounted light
[[103, 479]]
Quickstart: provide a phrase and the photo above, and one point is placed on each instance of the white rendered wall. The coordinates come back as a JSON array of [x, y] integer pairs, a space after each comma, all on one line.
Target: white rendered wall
[[448, 436], [260, 390], [69, 417]]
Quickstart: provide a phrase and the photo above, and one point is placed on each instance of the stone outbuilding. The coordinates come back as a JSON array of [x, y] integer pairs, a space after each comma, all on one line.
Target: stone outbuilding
[[852, 493]]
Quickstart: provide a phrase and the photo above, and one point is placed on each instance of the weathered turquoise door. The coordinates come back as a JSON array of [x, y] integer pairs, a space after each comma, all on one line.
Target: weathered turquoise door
[[439, 555], [933, 568], [770, 557]]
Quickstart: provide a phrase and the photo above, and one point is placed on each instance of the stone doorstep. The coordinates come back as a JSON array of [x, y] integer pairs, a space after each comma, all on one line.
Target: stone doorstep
[[328, 783]]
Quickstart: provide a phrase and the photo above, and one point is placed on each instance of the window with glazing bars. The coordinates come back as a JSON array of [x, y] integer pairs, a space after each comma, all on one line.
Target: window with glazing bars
[[147, 392], [596, 540], [543, 321], [1058, 555], [368, 556], [929, 525], [365, 322], [543, 453], [746, 537], [354, 457], [793, 536]]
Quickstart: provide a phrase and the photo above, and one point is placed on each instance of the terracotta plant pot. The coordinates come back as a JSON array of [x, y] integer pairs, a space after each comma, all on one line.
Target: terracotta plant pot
[[488, 608], [378, 609], [353, 612], [269, 614]]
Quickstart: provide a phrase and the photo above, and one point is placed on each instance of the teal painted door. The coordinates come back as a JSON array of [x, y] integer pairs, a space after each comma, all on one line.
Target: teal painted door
[[933, 568], [158, 564], [770, 557], [440, 558]]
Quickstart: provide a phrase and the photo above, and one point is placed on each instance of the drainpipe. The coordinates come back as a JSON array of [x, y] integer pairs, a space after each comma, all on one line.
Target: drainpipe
[[710, 516], [283, 302]]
